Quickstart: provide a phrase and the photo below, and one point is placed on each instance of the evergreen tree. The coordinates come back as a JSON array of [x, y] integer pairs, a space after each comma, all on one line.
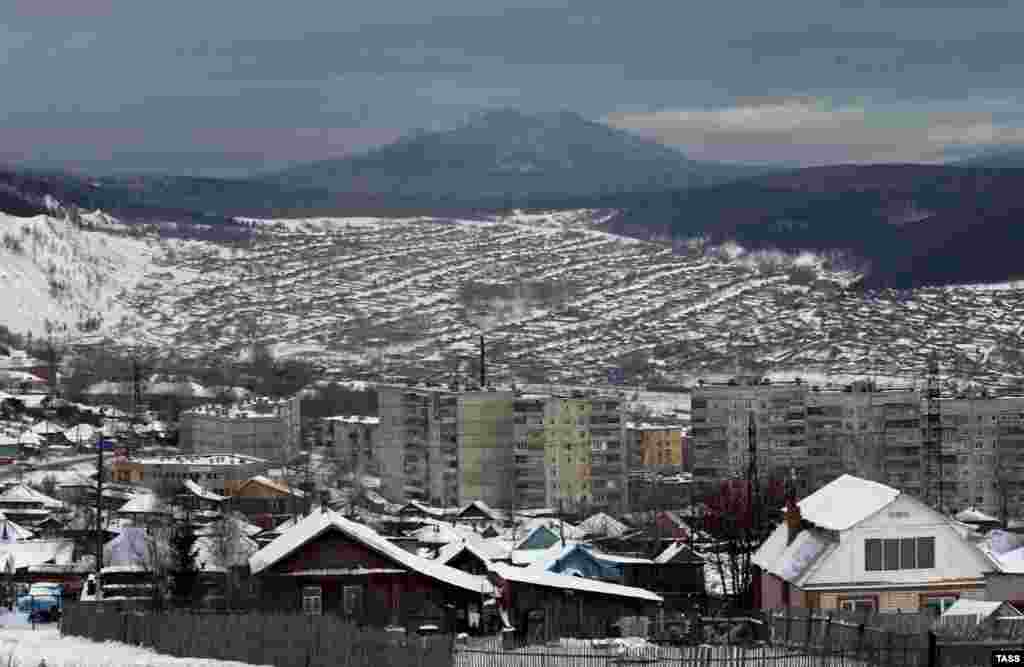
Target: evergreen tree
[[185, 572]]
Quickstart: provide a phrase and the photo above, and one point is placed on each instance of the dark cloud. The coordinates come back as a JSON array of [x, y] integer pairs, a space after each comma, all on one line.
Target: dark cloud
[[165, 68]]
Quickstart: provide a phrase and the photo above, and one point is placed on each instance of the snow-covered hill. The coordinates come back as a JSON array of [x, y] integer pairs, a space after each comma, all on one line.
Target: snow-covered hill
[[53, 270]]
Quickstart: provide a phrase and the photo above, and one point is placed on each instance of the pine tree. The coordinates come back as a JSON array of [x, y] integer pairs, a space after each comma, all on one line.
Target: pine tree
[[185, 573]]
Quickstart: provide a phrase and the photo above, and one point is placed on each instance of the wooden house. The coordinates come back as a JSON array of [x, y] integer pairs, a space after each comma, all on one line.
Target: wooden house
[[26, 506], [265, 501], [857, 545], [328, 564], [541, 606]]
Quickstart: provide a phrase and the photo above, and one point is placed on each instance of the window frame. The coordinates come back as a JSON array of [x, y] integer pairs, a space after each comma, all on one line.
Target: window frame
[[924, 599], [308, 596], [892, 550], [873, 598]]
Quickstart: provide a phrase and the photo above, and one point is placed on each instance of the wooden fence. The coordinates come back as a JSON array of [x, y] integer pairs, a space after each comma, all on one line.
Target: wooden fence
[[283, 640], [648, 656]]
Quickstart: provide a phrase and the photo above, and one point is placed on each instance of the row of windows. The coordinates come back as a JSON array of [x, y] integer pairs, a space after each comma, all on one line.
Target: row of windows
[[908, 553]]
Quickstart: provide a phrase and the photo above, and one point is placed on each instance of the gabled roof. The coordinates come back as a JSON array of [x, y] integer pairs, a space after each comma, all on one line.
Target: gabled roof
[[603, 524], [675, 549], [484, 550], [974, 515], [38, 552], [263, 480], [535, 577], [319, 522], [480, 507], [144, 503], [23, 493], [846, 501], [792, 561], [200, 492], [980, 609]]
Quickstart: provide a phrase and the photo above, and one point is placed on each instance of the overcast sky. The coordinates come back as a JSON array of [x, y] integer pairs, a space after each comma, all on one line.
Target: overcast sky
[[226, 86]]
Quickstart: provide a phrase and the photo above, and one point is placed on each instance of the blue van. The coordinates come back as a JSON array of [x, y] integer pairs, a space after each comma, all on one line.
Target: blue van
[[43, 603]]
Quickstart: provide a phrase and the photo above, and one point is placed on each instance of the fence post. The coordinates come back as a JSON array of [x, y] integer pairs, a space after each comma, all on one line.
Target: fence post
[[888, 647], [826, 641], [933, 650], [860, 641], [789, 625]]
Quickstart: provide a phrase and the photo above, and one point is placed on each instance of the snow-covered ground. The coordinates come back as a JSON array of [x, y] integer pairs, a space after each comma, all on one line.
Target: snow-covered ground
[[21, 646], [52, 270]]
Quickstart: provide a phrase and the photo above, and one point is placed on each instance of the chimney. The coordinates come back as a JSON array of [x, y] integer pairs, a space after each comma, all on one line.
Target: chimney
[[483, 365], [792, 515]]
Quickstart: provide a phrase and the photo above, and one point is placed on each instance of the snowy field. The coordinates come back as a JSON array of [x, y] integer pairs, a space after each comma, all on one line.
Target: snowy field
[[21, 646]]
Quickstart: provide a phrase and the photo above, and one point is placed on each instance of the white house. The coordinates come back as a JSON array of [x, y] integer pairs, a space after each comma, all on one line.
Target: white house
[[859, 545]]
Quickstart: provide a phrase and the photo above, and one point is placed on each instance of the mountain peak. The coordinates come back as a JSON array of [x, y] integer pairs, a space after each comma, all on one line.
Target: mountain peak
[[510, 155]]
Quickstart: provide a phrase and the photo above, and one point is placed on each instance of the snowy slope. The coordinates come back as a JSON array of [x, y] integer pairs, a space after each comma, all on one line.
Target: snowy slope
[[53, 270]]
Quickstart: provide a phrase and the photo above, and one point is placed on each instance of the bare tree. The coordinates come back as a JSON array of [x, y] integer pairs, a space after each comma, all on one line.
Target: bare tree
[[226, 546]]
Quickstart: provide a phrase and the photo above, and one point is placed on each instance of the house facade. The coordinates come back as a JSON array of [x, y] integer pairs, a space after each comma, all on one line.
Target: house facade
[[859, 545], [328, 564]]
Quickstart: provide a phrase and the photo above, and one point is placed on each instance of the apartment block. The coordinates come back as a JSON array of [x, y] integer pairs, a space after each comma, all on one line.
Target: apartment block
[[444, 447], [724, 416], [655, 448], [269, 430], [570, 452], [982, 462], [819, 434], [353, 439]]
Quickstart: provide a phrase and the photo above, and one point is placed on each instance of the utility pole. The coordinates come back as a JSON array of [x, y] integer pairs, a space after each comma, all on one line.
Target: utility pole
[[752, 482], [99, 497]]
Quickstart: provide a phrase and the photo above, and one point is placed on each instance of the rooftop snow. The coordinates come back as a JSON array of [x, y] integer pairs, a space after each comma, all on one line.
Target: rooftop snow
[[846, 501], [536, 577], [319, 522], [980, 609]]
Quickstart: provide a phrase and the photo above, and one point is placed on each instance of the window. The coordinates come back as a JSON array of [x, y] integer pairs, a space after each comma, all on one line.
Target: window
[[312, 600], [861, 605], [892, 554], [873, 555], [908, 553], [937, 604], [352, 600]]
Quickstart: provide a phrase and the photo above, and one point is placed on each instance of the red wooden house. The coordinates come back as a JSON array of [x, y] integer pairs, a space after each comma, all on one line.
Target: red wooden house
[[328, 564]]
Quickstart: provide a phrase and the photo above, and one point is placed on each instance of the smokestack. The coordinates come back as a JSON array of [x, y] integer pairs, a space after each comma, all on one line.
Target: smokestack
[[483, 364]]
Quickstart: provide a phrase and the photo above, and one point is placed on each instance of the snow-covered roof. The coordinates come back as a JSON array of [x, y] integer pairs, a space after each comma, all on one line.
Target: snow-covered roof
[[321, 521], [225, 459], [671, 551], [199, 491], [974, 515], [603, 524], [980, 609], [484, 550], [355, 419], [272, 484], [481, 507], [537, 577], [12, 532], [846, 501], [144, 503], [37, 552], [23, 493], [236, 551], [81, 433], [46, 427], [560, 528], [791, 561]]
